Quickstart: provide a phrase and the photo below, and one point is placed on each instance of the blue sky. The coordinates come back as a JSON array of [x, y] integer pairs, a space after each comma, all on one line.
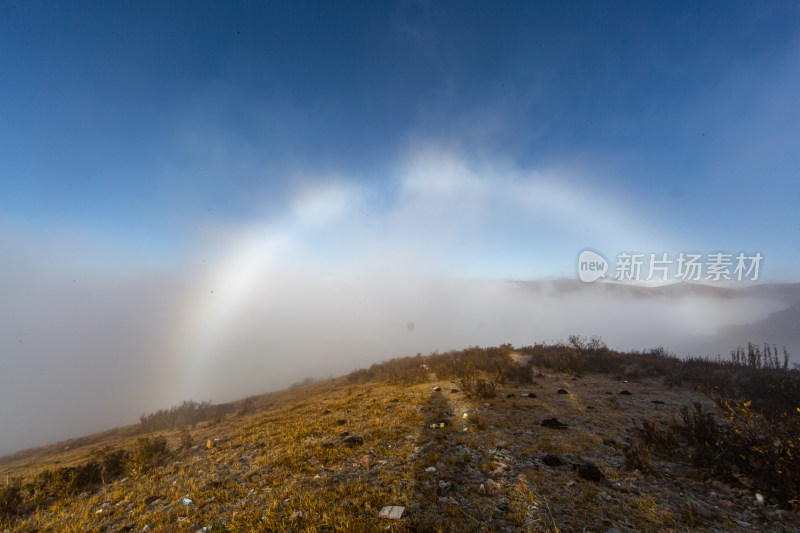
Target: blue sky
[[141, 124], [209, 200]]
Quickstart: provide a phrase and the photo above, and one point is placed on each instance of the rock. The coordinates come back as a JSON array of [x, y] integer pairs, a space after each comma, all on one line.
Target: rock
[[431, 469], [437, 389], [552, 460], [353, 441], [493, 487], [553, 423], [626, 393], [590, 472], [562, 391]]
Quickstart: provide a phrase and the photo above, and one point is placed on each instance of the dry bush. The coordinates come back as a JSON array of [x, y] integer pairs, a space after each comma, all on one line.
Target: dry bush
[[651, 434], [577, 357], [10, 498], [188, 413], [766, 450], [478, 387], [112, 461], [69, 480], [637, 457], [186, 439], [761, 452], [147, 453], [407, 370]]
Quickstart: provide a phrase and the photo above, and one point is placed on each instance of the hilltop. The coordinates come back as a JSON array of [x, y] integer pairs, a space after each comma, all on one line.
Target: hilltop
[[537, 438]]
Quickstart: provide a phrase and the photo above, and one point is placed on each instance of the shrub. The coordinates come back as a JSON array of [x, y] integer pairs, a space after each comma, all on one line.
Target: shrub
[[477, 387], [306, 381], [188, 413], [763, 452], [637, 457], [147, 454], [10, 498], [246, 407], [186, 439], [111, 461], [650, 433], [703, 434], [69, 480], [766, 450]]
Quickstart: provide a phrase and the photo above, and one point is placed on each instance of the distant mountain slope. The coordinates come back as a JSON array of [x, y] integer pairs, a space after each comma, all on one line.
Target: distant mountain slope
[[781, 328], [788, 292]]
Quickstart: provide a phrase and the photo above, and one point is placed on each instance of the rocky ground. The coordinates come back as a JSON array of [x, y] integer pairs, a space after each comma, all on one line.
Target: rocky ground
[[330, 456]]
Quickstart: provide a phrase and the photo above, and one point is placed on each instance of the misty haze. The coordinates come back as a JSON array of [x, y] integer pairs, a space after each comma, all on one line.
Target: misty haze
[[379, 215]]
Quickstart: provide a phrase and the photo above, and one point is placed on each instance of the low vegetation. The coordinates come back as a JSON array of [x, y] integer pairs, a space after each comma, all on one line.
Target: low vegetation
[[188, 413], [10, 498], [456, 438], [747, 449]]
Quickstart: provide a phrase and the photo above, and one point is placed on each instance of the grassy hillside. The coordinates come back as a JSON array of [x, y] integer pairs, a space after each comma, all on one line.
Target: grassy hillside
[[541, 438]]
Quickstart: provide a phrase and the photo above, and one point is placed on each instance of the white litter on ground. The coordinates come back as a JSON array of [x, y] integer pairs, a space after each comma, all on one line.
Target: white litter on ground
[[392, 512]]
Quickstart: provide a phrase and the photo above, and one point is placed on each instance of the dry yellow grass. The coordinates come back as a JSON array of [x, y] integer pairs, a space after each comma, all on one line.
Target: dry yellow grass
[[286, 466]]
